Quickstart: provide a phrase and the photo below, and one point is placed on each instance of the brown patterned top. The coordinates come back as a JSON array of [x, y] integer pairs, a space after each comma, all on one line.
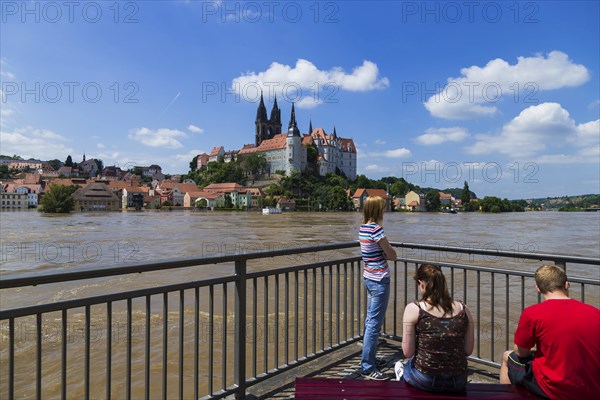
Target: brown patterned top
[[440, 347]]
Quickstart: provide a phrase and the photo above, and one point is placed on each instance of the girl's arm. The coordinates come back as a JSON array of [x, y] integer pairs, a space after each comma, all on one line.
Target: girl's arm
[[388, 251], [469, 334], [409, 334]]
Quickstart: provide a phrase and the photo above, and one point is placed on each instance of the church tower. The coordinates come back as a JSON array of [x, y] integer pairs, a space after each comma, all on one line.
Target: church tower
[[267, 128], [261, 123], [275, 120], [293, 145]]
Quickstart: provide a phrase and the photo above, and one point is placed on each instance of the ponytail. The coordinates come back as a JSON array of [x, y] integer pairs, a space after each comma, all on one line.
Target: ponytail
[[436, 291]]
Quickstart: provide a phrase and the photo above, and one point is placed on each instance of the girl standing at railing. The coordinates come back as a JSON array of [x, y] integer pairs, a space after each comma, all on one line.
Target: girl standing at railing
[[375, 250], [437, 336]]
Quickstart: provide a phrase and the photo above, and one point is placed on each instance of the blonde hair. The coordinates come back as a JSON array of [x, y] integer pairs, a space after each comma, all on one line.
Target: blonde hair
[[373, 210], [550, 278]]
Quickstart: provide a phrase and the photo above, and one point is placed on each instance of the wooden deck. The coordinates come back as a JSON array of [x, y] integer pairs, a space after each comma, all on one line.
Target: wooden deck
[[345, 364]]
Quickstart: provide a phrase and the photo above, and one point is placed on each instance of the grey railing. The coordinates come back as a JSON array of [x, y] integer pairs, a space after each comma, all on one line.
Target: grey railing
[[218, 336]]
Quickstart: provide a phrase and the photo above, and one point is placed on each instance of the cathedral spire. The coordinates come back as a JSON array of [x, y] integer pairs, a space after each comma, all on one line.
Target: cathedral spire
[[310, 127], [334, 133], [276, 116], [261, 113], [292, 126]]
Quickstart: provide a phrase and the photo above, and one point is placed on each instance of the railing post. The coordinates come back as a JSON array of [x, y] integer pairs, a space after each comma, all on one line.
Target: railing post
[[240, 329]]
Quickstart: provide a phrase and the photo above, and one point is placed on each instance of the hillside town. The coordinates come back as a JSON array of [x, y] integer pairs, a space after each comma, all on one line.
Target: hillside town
[[146, 187], [279, 156]]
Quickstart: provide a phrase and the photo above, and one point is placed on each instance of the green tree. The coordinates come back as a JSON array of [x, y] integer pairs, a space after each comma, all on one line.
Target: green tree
[[99, 164], [55, 164], [69, 161], [194, 164], [465, 196], [253, 163], [432, 199], [58, 199], [228, 203], [201, 203], [4, 173]]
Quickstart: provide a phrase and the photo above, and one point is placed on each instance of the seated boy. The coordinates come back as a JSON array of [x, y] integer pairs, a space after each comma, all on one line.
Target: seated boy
[[566, 335]]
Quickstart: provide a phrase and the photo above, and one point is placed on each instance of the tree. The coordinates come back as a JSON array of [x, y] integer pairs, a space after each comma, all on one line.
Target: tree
[[55, 164], [4, 173], [465, 196], [201, 203], [99, 164], [253, 163], [228, 203], [58, 199], [432, 199], [194, 164], [69, 161]]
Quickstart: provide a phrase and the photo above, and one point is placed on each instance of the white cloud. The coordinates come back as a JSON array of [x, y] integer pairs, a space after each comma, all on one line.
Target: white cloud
[[34, 143], [594, 104], [195, 129], [189, 156], [379, 141], [398, 153], [307, 85], [441, 135], [6, 112], [588, 134], [166, 138], [478, 89], [538, 128], [100, 145], [376, 168]]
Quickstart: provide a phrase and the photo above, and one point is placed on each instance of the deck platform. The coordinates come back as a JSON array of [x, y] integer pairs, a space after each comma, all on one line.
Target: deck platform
[[345, 364]]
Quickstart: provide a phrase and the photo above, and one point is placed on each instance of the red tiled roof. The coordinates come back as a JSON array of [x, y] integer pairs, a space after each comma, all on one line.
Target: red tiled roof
[[183, 187], [348, 145], [275, 143], [202, 193], [68, 182], [137, 189], [445, 195], [247, 149], [370, 192], [224, 187], [216, 151], [413, 203]]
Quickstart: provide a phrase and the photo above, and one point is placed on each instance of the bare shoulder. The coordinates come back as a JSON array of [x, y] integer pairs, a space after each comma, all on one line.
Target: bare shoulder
[[411, 312]]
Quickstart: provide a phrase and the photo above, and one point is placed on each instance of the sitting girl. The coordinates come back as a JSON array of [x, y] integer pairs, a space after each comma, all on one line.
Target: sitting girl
[[437, 336]]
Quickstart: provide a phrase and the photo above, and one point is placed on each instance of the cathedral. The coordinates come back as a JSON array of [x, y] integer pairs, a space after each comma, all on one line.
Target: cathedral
[[287, 151]]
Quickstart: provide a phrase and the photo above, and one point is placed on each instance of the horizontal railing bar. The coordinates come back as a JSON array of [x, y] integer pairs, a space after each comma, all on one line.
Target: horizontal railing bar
[[308, 267], [107, 298], [494, 270], [501, 253], [99, 272]]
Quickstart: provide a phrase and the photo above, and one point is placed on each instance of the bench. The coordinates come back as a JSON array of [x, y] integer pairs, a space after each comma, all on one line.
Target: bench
[[331, 389]]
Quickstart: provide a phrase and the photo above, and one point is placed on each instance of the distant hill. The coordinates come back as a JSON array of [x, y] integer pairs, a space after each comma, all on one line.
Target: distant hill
[[555, 203]]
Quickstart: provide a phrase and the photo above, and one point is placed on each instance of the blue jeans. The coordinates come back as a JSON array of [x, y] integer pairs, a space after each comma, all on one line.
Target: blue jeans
[[432, 383], [379, 296]]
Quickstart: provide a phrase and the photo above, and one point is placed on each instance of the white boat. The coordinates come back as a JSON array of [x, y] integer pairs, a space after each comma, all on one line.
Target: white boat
[[271, 210]]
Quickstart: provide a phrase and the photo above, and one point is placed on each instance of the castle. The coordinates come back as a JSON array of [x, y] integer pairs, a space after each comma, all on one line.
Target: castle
[[288, 151]]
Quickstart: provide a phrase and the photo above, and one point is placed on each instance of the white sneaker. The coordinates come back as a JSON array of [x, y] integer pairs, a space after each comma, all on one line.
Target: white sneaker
[[399, 369]]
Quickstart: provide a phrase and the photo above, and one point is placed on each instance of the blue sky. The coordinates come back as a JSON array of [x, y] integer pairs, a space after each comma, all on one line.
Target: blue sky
[[503, 95]]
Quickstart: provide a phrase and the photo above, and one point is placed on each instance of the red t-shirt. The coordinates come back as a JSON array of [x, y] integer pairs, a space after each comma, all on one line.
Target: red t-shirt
[[566, 334]]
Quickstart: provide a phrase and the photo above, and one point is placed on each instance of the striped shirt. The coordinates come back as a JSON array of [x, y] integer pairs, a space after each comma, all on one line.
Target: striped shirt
[[375, 266]]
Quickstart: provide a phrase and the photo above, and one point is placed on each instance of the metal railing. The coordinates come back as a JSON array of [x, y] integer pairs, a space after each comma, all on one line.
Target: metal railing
[[215, 337]]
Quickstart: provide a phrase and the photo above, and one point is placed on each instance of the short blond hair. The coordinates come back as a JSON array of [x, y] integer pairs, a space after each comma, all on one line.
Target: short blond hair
[[373, 210], [550, 278]]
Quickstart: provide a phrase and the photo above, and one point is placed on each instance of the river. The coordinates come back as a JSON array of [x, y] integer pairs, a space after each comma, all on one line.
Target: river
[[33, 243]]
